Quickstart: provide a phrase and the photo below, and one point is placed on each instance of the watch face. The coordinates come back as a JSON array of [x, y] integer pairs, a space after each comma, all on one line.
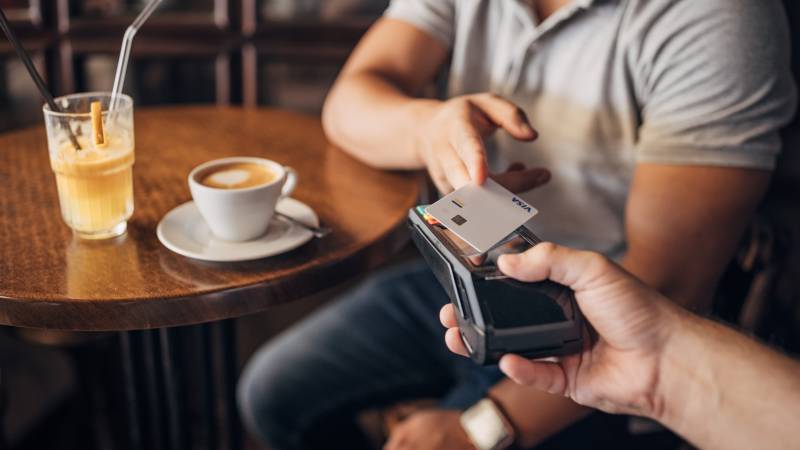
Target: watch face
[[486, 426]]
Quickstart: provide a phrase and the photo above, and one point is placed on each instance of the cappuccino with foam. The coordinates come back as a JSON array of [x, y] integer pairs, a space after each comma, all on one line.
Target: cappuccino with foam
[[236, 175]]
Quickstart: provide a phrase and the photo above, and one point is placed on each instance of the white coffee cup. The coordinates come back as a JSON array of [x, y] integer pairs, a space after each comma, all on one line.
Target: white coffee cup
[[241, 214]]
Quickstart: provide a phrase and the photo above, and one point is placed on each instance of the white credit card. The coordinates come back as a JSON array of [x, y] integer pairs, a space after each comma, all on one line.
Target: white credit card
[[483, 216]]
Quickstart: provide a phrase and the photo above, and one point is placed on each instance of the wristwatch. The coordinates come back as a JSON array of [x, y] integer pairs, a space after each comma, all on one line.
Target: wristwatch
[[487, 426]]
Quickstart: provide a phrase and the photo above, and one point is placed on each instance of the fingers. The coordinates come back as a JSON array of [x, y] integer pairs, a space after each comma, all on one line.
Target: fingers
[[462, 157], [452, 337], [447, 169], [506, 115], [547, 376], [447, 315], [439, 180], [469, 147], [454, 168], [574, 268], [522, 180], [438, 176], [468, 140]]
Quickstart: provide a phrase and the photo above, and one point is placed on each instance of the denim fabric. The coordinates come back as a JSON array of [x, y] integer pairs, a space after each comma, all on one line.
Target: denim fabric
[[378, 345]]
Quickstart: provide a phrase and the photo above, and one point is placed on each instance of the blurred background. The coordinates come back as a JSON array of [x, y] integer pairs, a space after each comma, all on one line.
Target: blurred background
[[278, 53], [252, 52]]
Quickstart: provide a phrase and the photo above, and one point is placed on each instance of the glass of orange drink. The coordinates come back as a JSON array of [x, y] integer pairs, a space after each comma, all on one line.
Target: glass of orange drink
[[93, 162]]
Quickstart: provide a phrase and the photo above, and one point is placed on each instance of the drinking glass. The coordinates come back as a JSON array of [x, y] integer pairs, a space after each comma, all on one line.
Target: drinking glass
[[95, 182]]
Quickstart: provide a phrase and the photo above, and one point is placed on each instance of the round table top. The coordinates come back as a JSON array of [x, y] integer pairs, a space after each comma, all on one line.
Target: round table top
[[50, 279]]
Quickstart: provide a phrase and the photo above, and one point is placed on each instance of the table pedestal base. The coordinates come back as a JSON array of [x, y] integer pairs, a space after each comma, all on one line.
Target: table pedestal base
[[164, 398]]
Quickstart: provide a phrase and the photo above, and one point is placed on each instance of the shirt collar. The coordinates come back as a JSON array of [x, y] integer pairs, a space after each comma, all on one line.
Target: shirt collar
[[525, 14], [578, 3]]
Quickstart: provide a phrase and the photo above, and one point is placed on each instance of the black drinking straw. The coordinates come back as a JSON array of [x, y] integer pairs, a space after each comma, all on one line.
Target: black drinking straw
[[37, 79]]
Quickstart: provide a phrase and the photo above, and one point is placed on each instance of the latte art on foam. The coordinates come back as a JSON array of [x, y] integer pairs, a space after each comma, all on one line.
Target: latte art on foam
[[228, 178], [236, 176]]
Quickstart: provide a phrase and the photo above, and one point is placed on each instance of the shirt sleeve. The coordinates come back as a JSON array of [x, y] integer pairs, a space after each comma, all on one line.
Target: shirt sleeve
[[435, 17], [716, 84]]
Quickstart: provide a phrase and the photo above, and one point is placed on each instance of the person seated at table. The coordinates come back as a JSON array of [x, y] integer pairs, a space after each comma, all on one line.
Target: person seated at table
[[712, 385], [656, 125]]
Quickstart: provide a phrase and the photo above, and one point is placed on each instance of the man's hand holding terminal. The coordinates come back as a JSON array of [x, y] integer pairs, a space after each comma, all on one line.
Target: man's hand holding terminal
[[646, 356]]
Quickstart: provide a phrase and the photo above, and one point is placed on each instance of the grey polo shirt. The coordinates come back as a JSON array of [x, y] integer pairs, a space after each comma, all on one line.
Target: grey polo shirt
[[612, 83]]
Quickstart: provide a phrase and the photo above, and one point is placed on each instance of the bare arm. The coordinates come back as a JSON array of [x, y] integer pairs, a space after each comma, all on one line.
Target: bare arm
[[722, 390], [371, 111], [716, 387], [683, 224]]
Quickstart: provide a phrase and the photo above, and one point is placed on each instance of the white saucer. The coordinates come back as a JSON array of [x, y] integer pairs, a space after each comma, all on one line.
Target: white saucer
[[184, 231]]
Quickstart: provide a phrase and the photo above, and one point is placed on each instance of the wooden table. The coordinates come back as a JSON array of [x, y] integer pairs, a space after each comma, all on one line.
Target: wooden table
[[48, 279]]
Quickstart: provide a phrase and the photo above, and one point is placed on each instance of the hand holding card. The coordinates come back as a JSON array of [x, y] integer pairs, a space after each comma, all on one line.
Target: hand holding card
[[484, 215]]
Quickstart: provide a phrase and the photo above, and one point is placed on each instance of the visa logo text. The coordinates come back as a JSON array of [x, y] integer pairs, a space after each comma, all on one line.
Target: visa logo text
[[522, 205]]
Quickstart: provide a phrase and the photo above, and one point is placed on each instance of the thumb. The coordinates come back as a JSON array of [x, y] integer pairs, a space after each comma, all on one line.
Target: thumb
[[546, 376], [574, 268], [505, 115]]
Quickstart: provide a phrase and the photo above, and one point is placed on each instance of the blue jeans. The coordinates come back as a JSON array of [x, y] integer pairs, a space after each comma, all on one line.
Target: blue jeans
[[376, 346]]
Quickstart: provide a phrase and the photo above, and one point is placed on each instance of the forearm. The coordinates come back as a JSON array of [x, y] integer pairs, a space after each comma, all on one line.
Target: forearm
[[375, 121], [693, 292], [682, 251], [535, 414], [721, 389]]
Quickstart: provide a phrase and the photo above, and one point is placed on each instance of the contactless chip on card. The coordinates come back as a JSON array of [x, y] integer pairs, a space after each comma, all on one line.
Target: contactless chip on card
[[483, 216]]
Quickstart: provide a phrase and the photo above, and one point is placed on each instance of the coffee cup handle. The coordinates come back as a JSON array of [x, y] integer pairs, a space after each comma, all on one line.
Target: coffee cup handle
[[289, 182]]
